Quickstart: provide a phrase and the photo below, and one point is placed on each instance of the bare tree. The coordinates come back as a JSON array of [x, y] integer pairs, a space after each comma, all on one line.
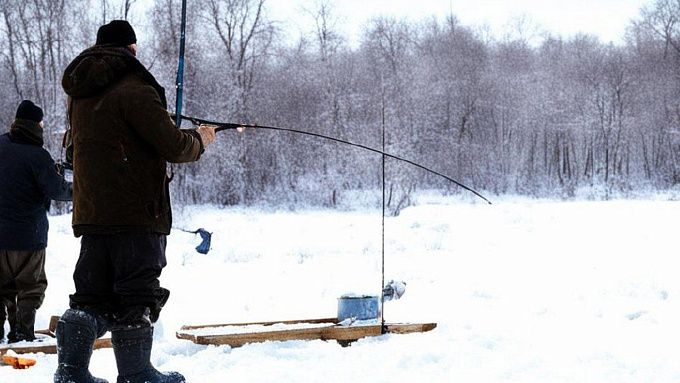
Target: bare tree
[[38, 35], [663, 20], [115, 9], [246, 37]]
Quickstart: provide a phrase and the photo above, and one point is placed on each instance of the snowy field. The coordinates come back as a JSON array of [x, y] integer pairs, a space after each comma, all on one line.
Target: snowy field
[[522, 291]]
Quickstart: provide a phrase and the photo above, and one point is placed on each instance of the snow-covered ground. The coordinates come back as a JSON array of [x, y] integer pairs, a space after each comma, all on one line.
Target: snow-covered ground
[[522, 291]]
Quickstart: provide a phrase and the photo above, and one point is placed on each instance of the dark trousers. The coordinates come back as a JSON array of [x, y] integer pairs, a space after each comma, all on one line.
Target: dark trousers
[[22, 276], [22, 289], [116, 277]]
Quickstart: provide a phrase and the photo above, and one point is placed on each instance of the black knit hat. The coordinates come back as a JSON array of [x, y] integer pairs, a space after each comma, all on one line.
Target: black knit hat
[[27, 110], [117, 32]]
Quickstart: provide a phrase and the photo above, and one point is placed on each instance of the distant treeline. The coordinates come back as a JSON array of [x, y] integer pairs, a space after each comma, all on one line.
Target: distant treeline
[[507, 115]]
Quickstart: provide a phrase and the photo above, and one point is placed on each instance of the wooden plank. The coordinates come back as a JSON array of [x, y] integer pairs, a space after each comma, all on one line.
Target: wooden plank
[[335, 332], [185, 336], [50, 348], [351, 333], [45, 348], [407, 328], [45, 332], [237, 340], [101, 343], [296, 321], [54, 319]]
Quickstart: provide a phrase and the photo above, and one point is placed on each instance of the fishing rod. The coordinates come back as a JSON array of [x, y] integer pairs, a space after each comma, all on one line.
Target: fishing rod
[[220, 126], [180, 67]]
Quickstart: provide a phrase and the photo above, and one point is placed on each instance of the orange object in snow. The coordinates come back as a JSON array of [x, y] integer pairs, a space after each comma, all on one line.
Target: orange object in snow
[[18, 362]]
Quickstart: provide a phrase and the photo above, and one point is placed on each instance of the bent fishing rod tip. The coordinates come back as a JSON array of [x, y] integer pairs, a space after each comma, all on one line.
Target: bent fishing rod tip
[[241, 128]]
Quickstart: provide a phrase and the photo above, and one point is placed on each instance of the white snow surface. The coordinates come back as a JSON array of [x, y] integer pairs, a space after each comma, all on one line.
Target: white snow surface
[[522, 291]]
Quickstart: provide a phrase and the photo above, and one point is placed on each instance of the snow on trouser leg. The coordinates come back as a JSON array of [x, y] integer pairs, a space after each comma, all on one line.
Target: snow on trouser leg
[[76, 333], [132, 348]]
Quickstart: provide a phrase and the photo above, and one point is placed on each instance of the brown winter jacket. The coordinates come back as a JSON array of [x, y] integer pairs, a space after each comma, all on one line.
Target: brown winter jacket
[[122, 137]]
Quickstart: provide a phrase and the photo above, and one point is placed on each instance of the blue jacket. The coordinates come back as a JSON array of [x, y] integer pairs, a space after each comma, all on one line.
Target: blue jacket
[[28, 183]]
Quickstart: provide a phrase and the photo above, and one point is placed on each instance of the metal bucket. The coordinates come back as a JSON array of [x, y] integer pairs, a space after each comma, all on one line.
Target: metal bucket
[[360, 307]]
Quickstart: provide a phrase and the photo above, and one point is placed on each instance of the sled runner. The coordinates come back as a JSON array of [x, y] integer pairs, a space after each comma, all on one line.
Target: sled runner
[[45, 342], [239, 334]]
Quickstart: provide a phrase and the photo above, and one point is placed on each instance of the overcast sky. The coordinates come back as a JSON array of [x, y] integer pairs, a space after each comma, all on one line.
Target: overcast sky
[[605, 18]]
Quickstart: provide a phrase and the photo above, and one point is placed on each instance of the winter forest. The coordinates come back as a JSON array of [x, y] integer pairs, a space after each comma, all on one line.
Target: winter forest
[[541, 118]]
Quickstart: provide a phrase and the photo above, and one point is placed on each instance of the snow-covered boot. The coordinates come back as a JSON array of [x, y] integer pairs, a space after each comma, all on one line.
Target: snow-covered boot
[[76, 332], [132, 348]]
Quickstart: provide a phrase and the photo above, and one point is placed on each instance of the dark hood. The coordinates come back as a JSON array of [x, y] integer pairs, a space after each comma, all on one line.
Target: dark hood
[[101, 66], [26, 132]]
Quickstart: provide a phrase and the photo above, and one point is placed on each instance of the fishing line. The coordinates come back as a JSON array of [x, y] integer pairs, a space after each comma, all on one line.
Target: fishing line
[[383, 327], [220, 126]]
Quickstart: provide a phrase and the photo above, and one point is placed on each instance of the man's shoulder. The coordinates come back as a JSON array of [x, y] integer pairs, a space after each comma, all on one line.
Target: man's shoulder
[[6, 145], [25, 155], [132, 84], [18, 146]]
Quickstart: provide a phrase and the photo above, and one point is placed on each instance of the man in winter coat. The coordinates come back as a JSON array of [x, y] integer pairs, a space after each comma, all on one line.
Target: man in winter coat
[[122, 137], [28, 183]]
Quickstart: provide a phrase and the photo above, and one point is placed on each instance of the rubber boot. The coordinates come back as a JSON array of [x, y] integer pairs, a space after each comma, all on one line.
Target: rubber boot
[[132, 348], [24, 324], [3, 316], [12, 319], [76, 333]]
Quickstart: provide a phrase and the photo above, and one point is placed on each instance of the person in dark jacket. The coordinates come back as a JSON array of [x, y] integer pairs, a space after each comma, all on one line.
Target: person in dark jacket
[[122, 139], [28, 182]]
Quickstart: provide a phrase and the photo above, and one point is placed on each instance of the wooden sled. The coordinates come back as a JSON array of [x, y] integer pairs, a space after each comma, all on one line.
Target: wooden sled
[[323, 329], [47, 343]]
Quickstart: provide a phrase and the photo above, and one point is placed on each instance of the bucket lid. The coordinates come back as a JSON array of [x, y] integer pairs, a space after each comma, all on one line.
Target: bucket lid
[[357, 296]]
